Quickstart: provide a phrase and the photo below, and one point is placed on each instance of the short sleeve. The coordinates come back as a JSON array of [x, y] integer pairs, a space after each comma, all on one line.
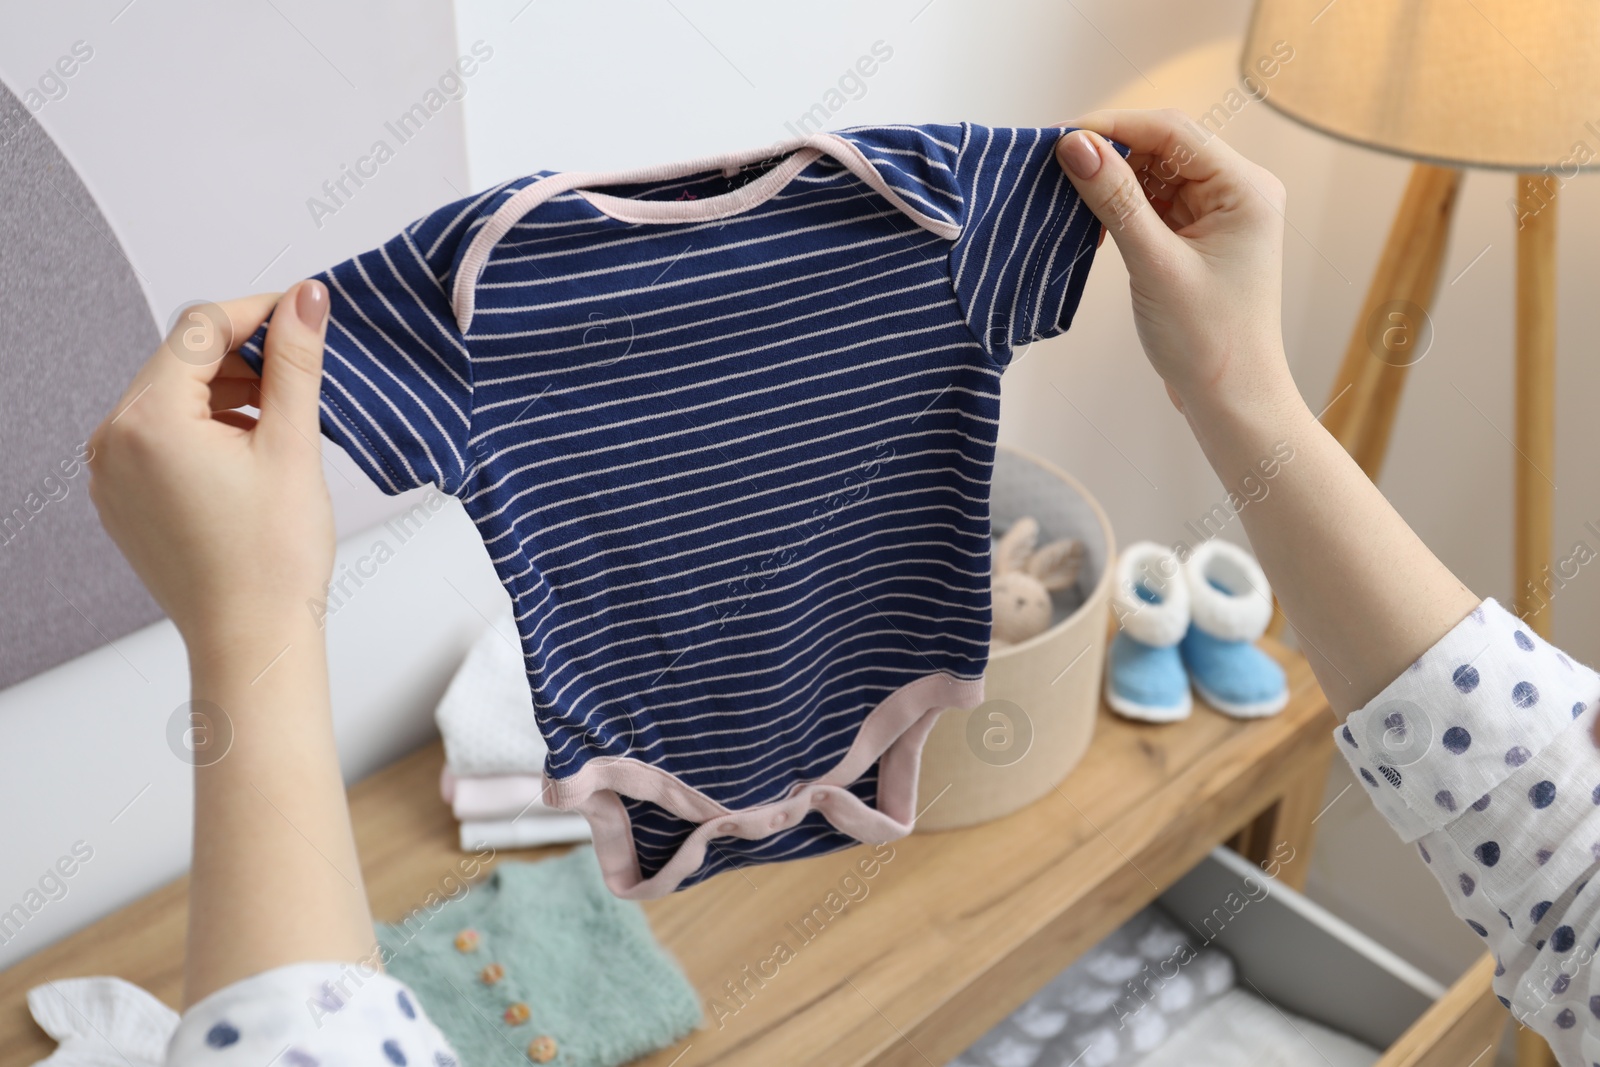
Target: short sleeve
[[1027, 240], [397, 376]]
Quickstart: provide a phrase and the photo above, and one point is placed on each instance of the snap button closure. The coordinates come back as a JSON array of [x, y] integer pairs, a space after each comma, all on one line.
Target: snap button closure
[[728, 827], [467, 941], [517, 1014], [542, 1049], [491, 974], [778, 820]]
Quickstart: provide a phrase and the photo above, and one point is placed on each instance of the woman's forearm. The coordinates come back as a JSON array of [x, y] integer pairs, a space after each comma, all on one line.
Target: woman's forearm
[[226, 518], [275, 878], [1363, 592], [1201, 231]]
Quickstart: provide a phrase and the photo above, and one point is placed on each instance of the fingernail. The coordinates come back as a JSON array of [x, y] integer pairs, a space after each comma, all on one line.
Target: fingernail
[[311, 303], [1081, 155]]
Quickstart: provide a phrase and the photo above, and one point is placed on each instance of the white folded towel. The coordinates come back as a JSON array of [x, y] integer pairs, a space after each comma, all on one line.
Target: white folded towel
[[502, 796], [486, 714], [494, 755], [530, 831]]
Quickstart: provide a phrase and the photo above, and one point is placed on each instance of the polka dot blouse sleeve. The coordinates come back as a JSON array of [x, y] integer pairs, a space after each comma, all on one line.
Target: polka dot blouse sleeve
[[310, 1015], [1482, 754]]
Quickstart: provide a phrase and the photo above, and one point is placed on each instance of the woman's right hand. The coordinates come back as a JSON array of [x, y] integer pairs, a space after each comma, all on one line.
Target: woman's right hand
[[1201, 231]]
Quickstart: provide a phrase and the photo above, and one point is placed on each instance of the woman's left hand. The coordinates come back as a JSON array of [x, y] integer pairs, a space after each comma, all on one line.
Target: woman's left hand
[[225, 517]]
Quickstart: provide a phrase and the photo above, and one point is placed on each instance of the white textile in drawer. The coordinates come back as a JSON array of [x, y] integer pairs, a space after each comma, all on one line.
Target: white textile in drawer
[[1117, 1002], [1239, 1029]]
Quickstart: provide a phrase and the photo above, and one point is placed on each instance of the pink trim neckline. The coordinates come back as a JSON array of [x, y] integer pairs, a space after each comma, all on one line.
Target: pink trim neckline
[[800, 152], [894, 731]]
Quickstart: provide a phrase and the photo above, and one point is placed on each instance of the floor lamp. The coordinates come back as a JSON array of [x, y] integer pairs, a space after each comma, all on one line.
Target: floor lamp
[[1452, 84]]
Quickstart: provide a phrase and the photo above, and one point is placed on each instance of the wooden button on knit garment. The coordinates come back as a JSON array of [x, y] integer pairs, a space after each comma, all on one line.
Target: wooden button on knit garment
[[491, 974], [517, 1014], [467, 941], [542, 1049]]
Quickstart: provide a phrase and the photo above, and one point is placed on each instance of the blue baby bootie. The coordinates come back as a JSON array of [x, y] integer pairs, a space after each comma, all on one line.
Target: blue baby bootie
[[1145, 679], [1231, 604]]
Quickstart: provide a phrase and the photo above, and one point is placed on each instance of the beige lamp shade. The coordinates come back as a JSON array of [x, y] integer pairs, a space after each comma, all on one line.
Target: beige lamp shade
[[1484, 83]]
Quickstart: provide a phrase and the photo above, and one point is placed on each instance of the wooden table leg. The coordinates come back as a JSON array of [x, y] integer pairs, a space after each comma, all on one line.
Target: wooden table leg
[[1279, 840], [1464, 1027], [1366, 392], [1532, 1051], [1536, 393]]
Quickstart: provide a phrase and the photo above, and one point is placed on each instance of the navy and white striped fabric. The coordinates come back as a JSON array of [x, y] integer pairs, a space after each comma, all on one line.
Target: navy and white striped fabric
[[733, 468]]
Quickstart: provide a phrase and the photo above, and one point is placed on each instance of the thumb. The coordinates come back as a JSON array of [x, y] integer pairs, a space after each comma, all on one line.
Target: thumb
[[291, 365], [1111, 190]]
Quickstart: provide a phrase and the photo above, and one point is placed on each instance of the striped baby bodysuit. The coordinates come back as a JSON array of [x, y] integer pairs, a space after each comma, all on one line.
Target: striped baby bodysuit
[[726, 428]]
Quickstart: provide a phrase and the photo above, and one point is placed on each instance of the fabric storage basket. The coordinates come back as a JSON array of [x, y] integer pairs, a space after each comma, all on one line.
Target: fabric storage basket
[[1040, 696]]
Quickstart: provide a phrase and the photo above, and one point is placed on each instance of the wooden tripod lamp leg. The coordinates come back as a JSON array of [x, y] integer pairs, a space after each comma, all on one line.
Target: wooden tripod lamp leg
[[1536, 396], [1366, 392], [1536, 437], [1361, 405]]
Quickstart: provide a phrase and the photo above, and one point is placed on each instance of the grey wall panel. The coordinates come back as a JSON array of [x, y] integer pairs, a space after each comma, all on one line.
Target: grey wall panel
[[74, 326]]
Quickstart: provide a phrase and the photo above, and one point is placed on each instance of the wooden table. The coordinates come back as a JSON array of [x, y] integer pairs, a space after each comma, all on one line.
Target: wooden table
[[951, 932]]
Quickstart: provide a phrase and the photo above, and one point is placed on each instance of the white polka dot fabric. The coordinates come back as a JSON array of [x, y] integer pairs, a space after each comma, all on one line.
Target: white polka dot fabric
[[300, 1015], [1483, 754], [310, 1015]]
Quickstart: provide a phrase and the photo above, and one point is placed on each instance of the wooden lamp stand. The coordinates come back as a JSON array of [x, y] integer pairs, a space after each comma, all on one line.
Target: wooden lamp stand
[[1366, 392]]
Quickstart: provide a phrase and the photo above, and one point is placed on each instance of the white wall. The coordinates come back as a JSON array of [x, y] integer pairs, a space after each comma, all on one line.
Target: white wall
[[203, 130], [612, 84], [85, 753]]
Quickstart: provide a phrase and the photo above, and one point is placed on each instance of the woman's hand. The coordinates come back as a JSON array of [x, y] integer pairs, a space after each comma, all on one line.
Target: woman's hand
[[1201, 231], [225, 518]]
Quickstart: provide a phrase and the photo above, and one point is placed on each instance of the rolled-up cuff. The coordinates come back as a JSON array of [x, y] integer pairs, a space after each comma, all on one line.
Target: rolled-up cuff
[[306, 1014], [1466, 717]]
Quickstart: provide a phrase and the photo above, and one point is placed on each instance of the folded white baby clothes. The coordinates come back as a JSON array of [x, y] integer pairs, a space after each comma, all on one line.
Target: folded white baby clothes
[[530, 831], [486, 713], [492, 798], [504, 811], [493, 778]]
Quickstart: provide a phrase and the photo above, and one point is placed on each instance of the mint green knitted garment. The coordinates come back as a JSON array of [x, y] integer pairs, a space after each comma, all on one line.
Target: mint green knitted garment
[[592, 975]]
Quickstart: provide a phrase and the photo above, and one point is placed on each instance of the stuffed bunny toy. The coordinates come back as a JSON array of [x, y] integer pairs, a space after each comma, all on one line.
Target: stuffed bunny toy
[[1024, 579]]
